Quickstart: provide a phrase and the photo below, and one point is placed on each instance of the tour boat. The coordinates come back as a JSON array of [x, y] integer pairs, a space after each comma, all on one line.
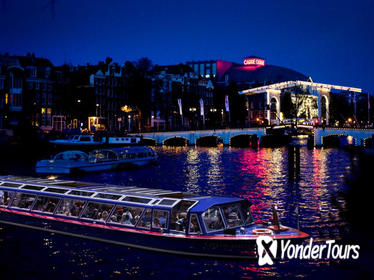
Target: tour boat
[[97, 160], [145, 218], [87, 140]]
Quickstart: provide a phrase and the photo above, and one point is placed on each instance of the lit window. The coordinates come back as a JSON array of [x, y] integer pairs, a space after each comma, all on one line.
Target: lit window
[[43, 110]]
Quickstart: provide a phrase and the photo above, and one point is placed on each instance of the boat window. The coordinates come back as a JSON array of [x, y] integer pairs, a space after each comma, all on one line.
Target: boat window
[[154, 202], [70, 207], [160, 218], [56, 190], [212, 219], [126, 215], [178, 218], [10, 185], [100, 156], [194, 225], [246, 212], [133, 140], [145, 220], [35, 188], [74, 156], [46, 204], [80, 193], [23, 200], [232, 215], [130, 156], [108, 196], [167, 202], [137, 199], [5, 197], [97, 211]]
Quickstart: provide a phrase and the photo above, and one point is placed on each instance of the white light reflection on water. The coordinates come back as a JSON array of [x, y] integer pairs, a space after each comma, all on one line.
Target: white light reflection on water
[[259, 175]]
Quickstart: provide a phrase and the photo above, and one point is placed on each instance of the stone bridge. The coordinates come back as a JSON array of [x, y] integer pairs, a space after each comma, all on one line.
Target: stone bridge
[[358, 135], [193, 136]]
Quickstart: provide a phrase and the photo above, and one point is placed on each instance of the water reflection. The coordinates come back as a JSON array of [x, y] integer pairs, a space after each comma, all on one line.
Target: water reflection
[[258, 175]]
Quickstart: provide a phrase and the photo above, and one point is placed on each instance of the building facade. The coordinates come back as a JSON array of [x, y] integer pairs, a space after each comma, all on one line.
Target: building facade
[[180, 98]]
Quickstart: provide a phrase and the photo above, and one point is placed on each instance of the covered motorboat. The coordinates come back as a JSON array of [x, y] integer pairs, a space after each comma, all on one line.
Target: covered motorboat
[[97, 160], [145, 218]]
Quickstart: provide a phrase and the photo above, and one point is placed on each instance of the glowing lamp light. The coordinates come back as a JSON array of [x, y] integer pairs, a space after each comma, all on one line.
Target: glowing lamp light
[[252, 61], [126, 109]]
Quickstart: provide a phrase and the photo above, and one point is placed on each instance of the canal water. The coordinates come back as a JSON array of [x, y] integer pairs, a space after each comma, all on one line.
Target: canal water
[[317, 202]]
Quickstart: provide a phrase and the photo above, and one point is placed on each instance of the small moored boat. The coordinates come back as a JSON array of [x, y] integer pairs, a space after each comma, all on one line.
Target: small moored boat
[[152, 219], [90, 141], [97, 160]]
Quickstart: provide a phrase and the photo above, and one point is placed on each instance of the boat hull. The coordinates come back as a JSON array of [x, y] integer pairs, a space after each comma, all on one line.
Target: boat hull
[[67, 167], [180, 244]]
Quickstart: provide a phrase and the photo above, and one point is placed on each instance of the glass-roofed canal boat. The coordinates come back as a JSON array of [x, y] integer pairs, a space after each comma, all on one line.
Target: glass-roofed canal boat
[[152, 219], [98, 160]]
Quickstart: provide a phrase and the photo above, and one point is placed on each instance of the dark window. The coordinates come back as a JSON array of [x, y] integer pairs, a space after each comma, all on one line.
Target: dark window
[[81, 193], [160, 218], [23, 200], [126, 215], [5, 197], [232, 215], [108, 196], [46, 204], [194, 225], [70, 207], [178, 218], [97, 211], [11, 185], [213, 219], [145, 220], [35, 188], [167, 202], [56, 190], [137, 199]]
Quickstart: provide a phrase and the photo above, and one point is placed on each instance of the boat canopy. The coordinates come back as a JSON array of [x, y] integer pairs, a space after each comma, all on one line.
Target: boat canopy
[[150, 197]]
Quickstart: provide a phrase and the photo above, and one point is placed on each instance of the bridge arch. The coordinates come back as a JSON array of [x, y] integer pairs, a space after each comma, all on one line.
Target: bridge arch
[[209, 141], [339, 140], [175, 141], [274, 104], [149, 141], [244, 140]]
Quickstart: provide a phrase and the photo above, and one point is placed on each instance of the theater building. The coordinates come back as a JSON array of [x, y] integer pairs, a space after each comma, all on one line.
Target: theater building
[[253, 71]]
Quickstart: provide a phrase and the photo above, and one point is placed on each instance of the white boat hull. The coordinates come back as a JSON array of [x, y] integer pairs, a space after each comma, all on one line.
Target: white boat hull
[[66, 167]]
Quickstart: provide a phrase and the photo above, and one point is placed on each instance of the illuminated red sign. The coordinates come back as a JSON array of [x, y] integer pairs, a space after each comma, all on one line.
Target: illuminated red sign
[[254, 61]]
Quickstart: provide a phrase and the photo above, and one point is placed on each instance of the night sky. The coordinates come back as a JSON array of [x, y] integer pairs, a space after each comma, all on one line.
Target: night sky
[[331, 41]]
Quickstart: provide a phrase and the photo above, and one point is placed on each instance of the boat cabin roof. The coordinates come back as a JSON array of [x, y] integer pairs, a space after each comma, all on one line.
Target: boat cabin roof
[[111, 193]]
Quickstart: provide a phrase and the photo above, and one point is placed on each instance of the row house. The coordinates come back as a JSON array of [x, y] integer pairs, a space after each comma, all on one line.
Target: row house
[[177, 89], [11, 92]]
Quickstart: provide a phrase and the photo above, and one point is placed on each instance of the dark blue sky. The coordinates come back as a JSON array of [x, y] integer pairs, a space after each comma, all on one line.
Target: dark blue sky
[[331, 41]]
